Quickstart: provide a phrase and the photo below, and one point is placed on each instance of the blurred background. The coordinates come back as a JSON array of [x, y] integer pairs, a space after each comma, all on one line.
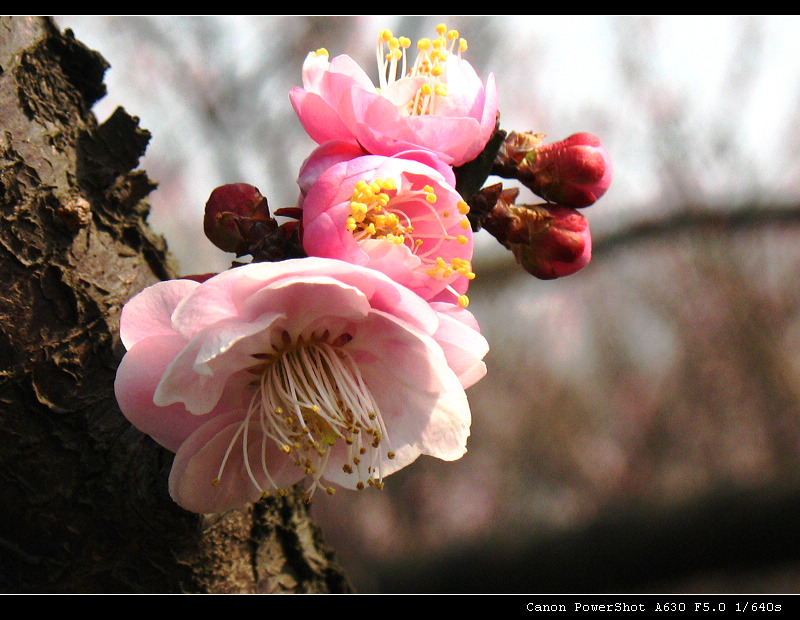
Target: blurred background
[[639, 427]]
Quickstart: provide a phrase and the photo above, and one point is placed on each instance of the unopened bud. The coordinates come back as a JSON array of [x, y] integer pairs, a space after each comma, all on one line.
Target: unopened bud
[[560, 248], [575, 172], [232, 213], [548, 241]]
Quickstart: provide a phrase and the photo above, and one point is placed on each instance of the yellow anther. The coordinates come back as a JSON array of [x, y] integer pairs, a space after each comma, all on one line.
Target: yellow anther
[[215, 482], [463, 207], [322, 52], [452, 35], [465, 224], [424, 44], [358, 208], [463, 301], [462, 239], [330, 490], [441, 29], [385, 35], [462, 45], [285, 449]]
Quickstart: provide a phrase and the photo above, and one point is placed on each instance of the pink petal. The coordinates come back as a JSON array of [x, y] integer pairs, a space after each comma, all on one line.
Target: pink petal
[[421, 399], [150, 312], [463, 345], [321, 121], [199, 458], [138, 375], [198, 374]]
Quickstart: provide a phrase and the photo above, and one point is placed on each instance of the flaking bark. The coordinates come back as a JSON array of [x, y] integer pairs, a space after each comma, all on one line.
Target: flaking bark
[[83, 495]]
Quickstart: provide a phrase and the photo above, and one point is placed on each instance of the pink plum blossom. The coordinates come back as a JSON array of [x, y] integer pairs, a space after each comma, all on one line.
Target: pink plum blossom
[[438, 103], [394, 214], [271, 373]]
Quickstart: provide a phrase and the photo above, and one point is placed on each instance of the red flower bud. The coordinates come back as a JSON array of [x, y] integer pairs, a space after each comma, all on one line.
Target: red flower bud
[[575, 172], [558, 245], [549, 241], [232, 213]]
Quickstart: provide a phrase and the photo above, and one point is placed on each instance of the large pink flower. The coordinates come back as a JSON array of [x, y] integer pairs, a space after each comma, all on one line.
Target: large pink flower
[[270, 373], [439, 103], [394, 214]]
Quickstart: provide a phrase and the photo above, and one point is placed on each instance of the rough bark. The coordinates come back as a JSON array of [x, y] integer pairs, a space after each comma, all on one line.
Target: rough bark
[[83, 500]]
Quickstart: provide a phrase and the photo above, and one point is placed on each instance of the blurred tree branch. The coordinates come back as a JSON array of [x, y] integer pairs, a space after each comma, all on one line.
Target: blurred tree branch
[[697, 218]]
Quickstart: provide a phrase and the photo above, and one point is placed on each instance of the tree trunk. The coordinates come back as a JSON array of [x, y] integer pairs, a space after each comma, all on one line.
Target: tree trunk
[[83, 495]]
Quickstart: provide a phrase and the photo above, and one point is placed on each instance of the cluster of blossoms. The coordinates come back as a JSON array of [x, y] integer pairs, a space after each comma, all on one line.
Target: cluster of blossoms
[[342, 351]]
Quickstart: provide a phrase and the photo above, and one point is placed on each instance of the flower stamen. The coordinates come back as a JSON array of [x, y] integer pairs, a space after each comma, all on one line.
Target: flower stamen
[[312, 398], [430, 64], [377, 211]]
